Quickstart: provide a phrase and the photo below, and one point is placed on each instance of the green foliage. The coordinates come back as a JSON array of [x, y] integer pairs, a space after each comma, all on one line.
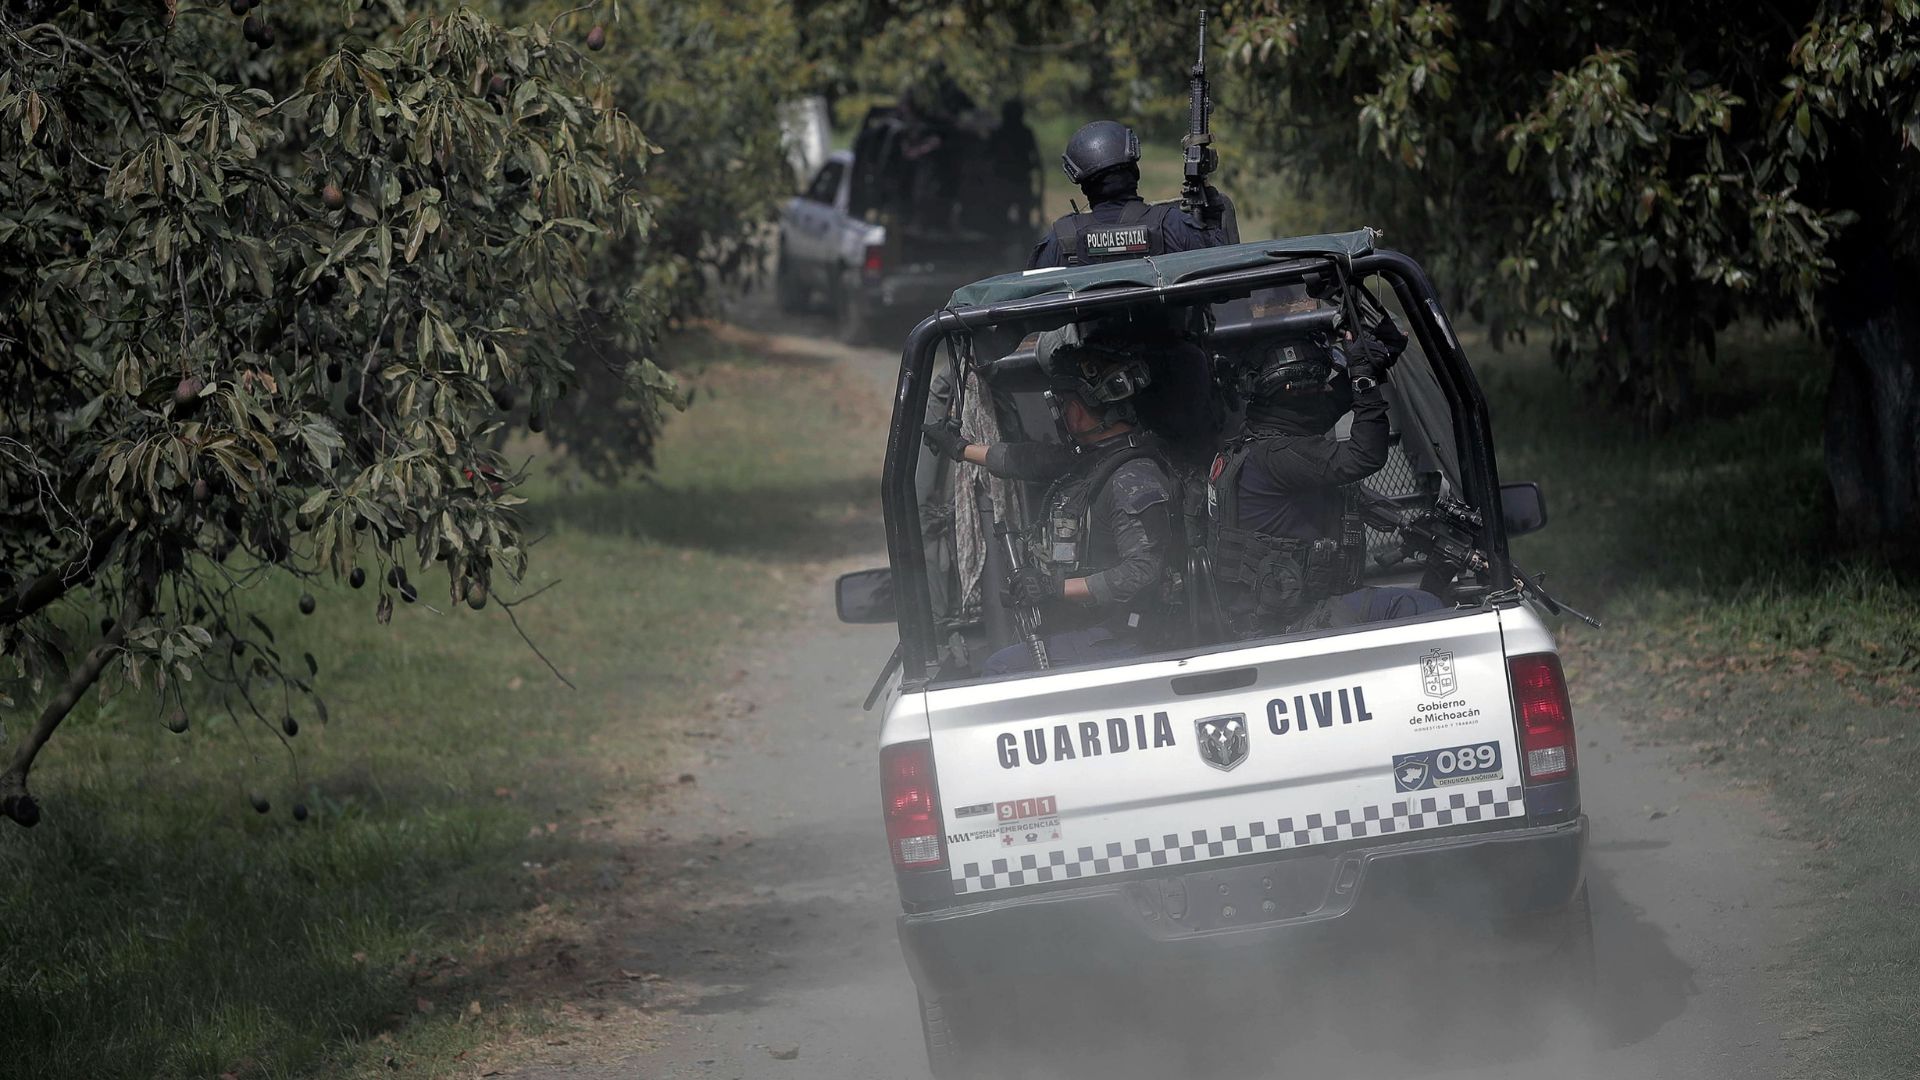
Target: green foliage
[[261, 317], [871, 51], [705, 81], [1635, 177]]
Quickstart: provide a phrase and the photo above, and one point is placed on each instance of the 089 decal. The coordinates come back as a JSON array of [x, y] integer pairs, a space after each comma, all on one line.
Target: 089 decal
[[1430, 769]]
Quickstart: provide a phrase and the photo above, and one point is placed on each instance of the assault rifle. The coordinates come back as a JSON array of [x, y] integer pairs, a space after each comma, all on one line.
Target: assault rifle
[[1201, 159], [1026, 617], [1440, 535], [1443, 535]]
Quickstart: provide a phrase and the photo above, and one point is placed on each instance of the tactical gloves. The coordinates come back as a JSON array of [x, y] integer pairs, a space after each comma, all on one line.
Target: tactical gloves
[[943, 438], [1376, 352], [1031, 587], [1382, 344], [1214, 213]]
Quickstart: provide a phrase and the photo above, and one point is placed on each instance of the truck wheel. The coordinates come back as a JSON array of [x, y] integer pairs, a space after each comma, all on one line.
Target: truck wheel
[[852, 315], [788, 289], [949, 1055]]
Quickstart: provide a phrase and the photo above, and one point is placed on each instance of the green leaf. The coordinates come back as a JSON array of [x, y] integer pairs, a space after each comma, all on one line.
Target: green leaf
[[33, 115], [322, 441], [376, 86], [256, 264], [79, 420], [347, 245]]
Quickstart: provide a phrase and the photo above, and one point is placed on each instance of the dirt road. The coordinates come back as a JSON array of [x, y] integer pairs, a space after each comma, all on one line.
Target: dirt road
[[766, 907]]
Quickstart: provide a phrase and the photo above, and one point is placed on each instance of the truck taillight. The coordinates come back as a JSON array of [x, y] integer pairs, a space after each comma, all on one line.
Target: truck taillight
[[910, 799], [1546, 717], [876, 260]]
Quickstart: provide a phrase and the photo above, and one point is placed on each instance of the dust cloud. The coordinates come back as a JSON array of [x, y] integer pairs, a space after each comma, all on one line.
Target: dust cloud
[[1395, 995]]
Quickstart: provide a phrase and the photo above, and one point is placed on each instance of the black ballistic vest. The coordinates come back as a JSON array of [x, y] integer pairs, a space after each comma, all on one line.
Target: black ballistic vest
[[1269, 582], [1067, 540], [1138, 232]]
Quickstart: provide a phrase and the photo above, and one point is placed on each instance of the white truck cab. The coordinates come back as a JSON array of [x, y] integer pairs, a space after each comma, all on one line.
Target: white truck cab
[[1217, 795]]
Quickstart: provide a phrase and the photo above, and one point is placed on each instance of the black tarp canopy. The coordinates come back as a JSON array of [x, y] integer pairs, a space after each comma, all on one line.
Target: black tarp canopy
[[1163, 269]]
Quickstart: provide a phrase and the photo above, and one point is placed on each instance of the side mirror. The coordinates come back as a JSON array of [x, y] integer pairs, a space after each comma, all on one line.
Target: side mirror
[[865, 596], [1523, 508]]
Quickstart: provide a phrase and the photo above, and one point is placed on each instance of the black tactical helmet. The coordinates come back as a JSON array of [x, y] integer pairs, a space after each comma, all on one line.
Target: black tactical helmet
[[1097, 147], [1300, 385], [1107, 380], [1294, 368], [1100, 378]]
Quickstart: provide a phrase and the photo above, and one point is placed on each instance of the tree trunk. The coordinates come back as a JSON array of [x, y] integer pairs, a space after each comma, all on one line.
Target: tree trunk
[[1651, 366], [15, 801], [1873, 406]]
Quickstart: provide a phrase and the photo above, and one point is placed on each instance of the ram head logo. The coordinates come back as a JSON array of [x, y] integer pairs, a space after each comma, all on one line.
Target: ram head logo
[[1222, 740]]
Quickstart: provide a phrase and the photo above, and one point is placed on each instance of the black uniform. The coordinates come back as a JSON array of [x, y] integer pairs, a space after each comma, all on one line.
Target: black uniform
[[1122, 226], [1106, 518], [1286, 534]]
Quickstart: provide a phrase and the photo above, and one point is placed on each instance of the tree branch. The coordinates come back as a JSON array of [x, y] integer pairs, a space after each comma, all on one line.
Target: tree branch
[[15, 802], [509, 605], [57, 582]]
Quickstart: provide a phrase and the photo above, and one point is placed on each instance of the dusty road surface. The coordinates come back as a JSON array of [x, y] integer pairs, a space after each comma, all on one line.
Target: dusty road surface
[[766, 909]]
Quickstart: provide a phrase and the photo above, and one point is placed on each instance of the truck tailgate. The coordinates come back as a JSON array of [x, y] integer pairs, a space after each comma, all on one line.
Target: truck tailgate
[[1386, 730]]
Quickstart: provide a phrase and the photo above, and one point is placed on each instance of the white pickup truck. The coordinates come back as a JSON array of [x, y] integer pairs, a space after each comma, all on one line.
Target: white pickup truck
[[1120, 821], [871, 237]]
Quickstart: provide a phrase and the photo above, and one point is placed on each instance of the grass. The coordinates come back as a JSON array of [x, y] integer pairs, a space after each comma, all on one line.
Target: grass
[[157, 927], [1734, 630]]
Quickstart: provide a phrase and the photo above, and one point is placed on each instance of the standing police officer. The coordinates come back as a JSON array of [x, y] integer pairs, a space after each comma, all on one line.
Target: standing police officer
[[1100, 566], [1288, 542], [1103, 158]]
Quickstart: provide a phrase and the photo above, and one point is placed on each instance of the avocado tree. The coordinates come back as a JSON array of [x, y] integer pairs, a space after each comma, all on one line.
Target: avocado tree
[[704, 79], [1636, 176], [263, 321]]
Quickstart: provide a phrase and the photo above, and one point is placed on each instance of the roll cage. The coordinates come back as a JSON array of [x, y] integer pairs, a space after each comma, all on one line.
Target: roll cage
[[1479, 481]]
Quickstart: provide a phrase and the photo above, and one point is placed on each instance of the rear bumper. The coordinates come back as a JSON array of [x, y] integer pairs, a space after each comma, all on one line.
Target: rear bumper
[[1208, 915]]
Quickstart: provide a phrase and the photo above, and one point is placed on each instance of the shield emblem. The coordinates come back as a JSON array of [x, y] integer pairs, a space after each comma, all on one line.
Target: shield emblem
[[1409, 774], [1222, 740], [1436, 673]]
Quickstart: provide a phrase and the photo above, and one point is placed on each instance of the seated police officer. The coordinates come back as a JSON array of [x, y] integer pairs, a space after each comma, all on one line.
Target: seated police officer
[[1288, 542], [1103, 158], [1102, 547]]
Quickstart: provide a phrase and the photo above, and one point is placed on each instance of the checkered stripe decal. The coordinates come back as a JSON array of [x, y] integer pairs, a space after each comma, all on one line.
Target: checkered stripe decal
[[1425, 810]]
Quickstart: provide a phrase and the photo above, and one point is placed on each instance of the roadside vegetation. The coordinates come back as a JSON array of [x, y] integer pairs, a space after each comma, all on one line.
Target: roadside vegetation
[[1734, 634], [432, 905], [277, 281]]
